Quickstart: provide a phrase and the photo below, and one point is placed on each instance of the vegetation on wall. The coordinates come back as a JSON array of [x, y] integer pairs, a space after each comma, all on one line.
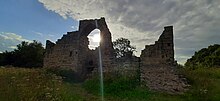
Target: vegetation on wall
[[206, 57], [28, 55]]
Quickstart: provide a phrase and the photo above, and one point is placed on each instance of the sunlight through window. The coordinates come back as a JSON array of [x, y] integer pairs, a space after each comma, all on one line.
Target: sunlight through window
[[94, 39]]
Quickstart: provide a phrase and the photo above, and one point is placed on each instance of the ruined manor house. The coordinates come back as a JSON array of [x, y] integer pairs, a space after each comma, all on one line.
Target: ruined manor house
[[156, 63]]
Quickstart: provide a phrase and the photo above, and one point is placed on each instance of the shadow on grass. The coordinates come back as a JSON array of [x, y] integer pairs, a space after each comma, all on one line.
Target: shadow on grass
[[67, 75]]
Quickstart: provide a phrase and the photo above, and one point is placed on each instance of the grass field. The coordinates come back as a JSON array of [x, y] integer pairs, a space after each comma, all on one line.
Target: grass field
[[18, 84]]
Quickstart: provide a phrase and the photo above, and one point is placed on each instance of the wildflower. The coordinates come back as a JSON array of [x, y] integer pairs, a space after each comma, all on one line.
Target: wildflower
[[47, 88], [12, 77], [205, 91]]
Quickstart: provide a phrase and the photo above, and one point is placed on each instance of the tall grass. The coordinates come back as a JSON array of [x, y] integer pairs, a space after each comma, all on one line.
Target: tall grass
[[118, 86], [32, 85], [205, 84], [19, 84]]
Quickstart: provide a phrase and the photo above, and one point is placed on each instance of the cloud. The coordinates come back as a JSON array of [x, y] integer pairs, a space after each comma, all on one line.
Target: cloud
[[11, 36], [74, 27], [38, 33], [42, 36], [12, 47], [196, 22], [8, 41]]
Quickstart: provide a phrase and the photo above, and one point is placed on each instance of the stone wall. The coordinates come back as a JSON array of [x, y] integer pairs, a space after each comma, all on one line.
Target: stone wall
[[156, 64], [72, 52], [63, 53], [127, 66], [162, 51], [158, 70]]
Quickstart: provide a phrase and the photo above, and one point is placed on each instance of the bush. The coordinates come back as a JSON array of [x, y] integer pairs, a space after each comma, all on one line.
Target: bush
[[206, 57]]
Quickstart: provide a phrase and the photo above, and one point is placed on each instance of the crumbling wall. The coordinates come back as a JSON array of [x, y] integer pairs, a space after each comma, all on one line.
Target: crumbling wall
[[162, 52], [156, 63], [127, 66], [63, 53], [72, 52], [158, 69]]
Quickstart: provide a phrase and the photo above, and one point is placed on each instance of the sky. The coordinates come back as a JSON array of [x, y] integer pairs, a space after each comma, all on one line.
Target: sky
[[196, 22]]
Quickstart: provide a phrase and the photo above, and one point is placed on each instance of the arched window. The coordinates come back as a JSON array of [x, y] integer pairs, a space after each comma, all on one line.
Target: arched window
[[94, 39]]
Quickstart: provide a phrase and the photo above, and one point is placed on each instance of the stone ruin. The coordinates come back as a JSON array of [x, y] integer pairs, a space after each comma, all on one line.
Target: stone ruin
[[156, 63], [158, 67], [72, 52]]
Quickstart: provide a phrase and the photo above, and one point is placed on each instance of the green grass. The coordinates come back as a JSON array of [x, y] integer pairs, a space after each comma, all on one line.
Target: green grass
[[205, 84], [118, 87], [19, 84]]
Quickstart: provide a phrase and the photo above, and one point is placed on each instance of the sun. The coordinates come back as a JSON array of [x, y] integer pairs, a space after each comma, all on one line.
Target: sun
[[96, 38]]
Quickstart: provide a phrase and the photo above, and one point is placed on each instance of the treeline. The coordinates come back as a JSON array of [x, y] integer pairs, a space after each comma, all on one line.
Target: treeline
[[29, 55], [206, 57]]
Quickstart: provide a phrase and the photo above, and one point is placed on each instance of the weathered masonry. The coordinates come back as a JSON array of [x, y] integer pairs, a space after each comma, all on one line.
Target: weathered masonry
[[72, 52], [156, 63], [162, 52]]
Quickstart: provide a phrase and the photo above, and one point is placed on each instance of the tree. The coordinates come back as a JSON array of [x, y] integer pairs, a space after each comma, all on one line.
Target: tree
[[6, 58], [26, 55], [122, 48], [206, 57]]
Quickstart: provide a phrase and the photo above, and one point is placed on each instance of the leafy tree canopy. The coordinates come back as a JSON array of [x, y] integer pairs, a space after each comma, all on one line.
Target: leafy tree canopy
[[26, 55], [206, 57], [122, 48]]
